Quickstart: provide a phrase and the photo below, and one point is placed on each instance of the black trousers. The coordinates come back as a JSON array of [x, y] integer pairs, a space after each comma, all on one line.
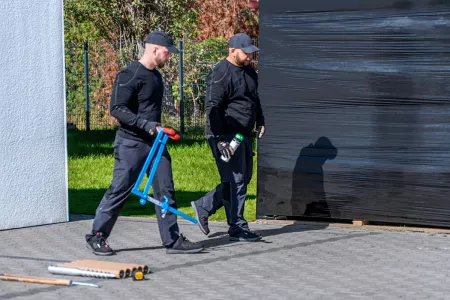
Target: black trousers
[[231, 193], [129, 158]]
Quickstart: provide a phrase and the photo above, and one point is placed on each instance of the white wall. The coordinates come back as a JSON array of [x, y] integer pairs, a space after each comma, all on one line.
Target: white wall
[[33, 159]]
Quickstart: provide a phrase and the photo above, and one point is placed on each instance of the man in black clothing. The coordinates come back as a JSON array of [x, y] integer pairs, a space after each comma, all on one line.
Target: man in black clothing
[[136, 103], [232, 106]]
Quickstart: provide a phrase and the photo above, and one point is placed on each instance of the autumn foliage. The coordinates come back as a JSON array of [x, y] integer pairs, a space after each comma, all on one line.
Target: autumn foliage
[[115, 30], [224, 18]]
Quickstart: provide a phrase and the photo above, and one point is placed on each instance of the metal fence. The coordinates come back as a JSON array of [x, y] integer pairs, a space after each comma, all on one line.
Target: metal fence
[[92, 67]]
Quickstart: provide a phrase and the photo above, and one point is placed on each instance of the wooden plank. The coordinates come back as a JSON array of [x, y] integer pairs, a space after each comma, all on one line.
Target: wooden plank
[[31, 279]]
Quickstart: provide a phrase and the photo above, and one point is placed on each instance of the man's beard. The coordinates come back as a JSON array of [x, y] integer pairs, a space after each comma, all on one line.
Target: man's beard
[[242, 63], [159, 62]]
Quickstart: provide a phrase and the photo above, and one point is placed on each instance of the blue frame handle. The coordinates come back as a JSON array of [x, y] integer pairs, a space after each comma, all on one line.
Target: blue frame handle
[[160, 142]]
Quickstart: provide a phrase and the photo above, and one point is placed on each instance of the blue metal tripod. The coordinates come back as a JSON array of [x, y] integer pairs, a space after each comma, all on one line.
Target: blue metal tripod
[[158, 146]]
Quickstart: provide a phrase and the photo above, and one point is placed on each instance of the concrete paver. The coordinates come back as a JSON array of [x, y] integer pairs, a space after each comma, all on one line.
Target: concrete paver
[[292, 262]]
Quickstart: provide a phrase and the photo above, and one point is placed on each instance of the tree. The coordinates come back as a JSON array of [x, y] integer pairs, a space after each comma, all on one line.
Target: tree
[[127, 22], [116, 30], [224, 18]]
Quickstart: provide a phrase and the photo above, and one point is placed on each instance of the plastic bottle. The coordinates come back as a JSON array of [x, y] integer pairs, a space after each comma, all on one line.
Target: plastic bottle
[[235, 142]]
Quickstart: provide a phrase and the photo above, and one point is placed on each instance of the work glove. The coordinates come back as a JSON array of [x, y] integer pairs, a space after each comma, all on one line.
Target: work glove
[[261, 131], [170, 132], [151, 127], [225, 149]]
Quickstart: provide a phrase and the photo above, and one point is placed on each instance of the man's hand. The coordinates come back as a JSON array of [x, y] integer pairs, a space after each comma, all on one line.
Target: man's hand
[[152, 127], [225, 149], [261, 130]]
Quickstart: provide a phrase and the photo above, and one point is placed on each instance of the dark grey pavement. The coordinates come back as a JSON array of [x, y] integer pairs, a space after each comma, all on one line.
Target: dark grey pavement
[[293, 262]]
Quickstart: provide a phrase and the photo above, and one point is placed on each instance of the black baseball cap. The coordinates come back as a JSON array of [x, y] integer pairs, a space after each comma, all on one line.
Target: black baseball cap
[[243, 42], [162, 39]]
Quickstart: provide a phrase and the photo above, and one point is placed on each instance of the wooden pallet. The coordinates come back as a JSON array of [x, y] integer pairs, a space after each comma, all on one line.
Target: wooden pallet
[[324, 224], [360, 222]]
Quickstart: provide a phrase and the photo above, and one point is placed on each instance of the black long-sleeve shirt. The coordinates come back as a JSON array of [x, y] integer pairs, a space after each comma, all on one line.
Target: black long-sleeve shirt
[[232, 102], [136, 100]]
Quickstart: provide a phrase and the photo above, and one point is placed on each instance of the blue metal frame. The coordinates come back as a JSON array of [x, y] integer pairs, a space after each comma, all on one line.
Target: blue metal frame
[[161, 140]]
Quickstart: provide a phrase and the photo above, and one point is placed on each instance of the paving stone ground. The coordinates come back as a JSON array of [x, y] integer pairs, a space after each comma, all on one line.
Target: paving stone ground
[[292, 262]]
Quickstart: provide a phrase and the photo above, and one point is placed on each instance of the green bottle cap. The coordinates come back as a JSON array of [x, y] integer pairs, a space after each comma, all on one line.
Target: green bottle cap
[[239, 136]]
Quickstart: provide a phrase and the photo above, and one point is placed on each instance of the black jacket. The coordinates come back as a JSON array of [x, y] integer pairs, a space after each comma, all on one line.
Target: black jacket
[[232, 102], [136, 99]]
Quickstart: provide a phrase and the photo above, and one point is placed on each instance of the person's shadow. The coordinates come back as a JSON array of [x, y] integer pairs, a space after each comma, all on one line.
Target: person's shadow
[[308, 192]]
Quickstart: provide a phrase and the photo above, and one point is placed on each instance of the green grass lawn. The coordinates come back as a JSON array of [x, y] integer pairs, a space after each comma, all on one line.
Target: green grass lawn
[[194, 171]]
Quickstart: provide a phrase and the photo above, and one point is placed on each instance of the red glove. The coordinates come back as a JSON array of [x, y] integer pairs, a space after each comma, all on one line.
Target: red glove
[[170, 132]]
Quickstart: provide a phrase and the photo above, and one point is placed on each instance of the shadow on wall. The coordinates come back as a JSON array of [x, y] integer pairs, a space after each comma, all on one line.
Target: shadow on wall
[[308, 192]]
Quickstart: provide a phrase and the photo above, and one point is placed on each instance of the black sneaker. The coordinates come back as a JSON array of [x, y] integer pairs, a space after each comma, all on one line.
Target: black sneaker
[[184, 246], [244, 236], [99, 245], [201, 218]]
